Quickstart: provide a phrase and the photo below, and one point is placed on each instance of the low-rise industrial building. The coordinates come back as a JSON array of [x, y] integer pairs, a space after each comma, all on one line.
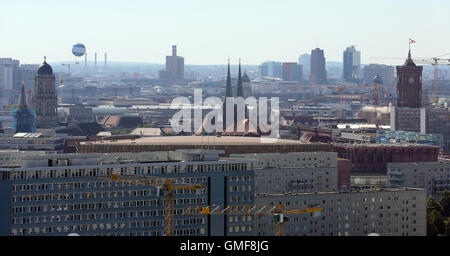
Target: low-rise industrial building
[[32, 142]]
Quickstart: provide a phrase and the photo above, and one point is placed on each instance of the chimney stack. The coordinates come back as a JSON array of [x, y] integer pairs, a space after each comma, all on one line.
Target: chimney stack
[[174, 50]]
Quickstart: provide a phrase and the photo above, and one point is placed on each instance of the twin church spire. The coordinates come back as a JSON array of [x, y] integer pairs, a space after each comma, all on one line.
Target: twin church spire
[[239, 88]]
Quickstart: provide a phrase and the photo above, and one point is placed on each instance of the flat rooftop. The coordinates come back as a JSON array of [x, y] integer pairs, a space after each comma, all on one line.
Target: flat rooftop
[[440, 161], [384, 145], [230, 144], [195, 140], [368, 190]]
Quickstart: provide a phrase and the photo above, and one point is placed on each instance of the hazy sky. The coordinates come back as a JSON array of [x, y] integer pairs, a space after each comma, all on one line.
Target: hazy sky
[[211, 31]]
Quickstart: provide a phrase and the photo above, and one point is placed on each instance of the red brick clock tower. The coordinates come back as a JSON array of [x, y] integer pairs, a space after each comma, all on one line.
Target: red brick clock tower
[[409, 84]]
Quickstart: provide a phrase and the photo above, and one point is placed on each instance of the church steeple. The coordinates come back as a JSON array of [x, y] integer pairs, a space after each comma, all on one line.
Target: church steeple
[[229, 90], [23, 101], [409, 61], [23, 117], [239, 89]]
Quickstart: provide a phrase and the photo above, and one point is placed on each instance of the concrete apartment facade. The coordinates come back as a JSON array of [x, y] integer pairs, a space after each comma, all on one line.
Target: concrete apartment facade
[[387, 212], [62, 194], [58, 194], [433, 177], [294, 171]]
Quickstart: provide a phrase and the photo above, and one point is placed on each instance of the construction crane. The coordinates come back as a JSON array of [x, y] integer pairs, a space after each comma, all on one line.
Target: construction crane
[[68, 66], [169, 184], [277, 211], [434, 61], [163, 185], [340, 89]]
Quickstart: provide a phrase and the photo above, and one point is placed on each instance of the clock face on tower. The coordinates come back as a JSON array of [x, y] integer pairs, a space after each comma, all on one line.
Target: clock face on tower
[[411, 80]]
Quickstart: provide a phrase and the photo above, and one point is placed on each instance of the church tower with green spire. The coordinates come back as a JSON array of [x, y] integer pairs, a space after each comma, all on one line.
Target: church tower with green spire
[[23, 117]]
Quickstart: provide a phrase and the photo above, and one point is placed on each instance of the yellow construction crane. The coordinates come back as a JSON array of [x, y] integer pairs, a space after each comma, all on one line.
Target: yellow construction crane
[[434, 61], [170, 184], [277, 211], [165, 184]]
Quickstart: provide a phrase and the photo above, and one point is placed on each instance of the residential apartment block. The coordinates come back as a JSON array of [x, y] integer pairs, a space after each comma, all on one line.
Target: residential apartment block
[[433, 177], [387, 212], [294, 171], [62, 194]]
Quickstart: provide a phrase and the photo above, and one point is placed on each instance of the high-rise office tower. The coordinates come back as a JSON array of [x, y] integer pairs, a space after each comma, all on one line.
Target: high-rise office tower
[[386, 72], [318, 73], [409, 84], [174, 66], [44, 100], [9, 80], [352, 63], [27, 74], [262, 70], [271, 69], [305, 61], [292, 71]]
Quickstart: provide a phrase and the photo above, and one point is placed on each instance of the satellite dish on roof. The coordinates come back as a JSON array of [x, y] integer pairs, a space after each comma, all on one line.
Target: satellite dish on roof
[[78, 49]]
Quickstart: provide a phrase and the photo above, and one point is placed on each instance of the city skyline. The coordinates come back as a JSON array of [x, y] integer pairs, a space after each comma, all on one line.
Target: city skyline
[[263, 31]]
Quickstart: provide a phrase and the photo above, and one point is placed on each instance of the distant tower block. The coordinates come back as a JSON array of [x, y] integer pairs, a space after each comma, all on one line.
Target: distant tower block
[[95, 59], [174, 66], [105, 60]]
